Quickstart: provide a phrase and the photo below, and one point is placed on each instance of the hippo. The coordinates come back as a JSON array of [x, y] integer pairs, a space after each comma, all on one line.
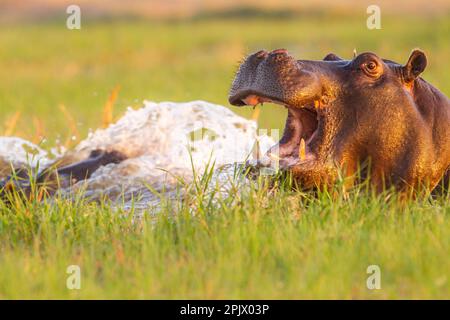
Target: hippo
[[57, 175], [367, 118]]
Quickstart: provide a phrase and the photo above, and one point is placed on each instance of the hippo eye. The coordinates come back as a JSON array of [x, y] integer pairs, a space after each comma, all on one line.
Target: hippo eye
[[371, 66]]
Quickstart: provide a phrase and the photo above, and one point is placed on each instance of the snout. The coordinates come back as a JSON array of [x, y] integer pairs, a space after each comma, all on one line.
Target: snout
[[261, 75]]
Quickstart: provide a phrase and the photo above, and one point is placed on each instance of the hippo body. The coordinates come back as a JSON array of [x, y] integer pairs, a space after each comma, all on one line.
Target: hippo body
[[54, 177], [367, 115]]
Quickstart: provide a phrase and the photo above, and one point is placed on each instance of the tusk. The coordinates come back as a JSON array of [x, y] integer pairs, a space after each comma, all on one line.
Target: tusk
[[302, 150], [316, 104], [354, 53]]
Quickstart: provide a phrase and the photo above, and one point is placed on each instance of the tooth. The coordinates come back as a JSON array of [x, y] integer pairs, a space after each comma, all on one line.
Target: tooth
[[256, 112], [316, 104], [302, 150], [273, 156]]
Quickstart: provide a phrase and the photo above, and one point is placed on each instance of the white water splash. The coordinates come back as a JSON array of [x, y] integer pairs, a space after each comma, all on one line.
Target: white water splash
[[20, 153], [159, 140]]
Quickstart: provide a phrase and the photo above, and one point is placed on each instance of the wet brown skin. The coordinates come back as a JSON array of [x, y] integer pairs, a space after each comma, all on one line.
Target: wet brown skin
[[351, 113], [57, 176]]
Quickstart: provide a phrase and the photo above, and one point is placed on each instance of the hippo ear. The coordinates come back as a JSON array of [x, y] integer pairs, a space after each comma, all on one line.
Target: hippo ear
[[416, 64], [331, 57]]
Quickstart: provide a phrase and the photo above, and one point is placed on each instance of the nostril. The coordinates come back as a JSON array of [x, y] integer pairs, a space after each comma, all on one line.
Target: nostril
[[279, 51]]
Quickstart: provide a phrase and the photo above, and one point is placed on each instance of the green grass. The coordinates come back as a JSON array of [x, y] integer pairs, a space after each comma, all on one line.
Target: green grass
[[268, 242], [271, 243]]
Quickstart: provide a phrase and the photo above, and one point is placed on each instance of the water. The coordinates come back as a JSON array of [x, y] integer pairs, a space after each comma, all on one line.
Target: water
[[163, 142]]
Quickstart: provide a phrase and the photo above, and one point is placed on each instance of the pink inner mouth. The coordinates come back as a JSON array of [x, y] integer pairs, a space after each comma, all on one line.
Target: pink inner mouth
[[301, 128]]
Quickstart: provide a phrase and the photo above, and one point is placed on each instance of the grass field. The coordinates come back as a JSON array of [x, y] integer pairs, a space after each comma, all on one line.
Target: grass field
[[275, 243]]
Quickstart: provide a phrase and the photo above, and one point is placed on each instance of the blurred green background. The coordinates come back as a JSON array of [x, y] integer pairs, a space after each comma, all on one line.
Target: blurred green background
[[55, 82]]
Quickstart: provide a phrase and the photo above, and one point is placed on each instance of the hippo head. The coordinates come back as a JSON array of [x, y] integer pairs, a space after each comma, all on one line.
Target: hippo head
[[340, 112]]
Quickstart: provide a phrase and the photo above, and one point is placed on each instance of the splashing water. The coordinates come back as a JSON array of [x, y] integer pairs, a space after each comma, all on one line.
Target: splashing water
[[16, 152], [159, 141]]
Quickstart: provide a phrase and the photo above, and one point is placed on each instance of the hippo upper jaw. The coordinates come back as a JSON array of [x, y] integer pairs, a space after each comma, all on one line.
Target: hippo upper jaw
[[252, 97]]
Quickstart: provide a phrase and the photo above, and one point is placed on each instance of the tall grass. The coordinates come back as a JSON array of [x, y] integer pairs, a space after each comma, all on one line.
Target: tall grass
[[266, 241]]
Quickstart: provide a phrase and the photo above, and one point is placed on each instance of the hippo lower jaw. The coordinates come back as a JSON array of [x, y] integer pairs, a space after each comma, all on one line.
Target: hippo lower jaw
[[297, 151], [294, 148]]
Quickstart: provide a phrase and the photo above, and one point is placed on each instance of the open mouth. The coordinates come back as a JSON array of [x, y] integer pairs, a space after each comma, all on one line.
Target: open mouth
[[295, 146]]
